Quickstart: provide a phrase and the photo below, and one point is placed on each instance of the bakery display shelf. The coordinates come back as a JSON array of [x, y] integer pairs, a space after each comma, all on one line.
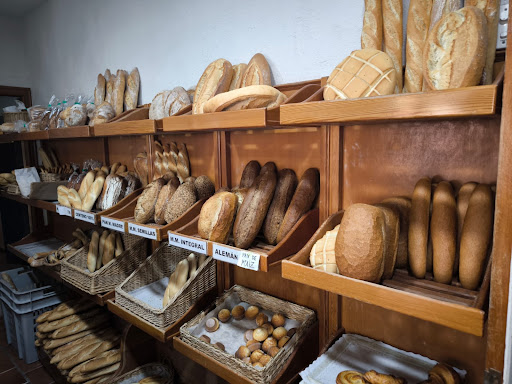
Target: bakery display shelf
[[482, 100], [27, 136], [70, 132], [162, 335], [133, 122], [185, 121], [448, 305], [48, 205], [269, 255]]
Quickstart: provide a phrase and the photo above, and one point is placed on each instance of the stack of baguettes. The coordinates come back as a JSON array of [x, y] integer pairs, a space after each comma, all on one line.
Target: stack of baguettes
[[447, 46], [80, 341]]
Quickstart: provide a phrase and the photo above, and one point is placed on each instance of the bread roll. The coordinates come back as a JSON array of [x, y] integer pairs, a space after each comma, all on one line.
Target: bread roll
[[99, 91], [360, 243], [463, 196], [303, 198], [253, 210], [249, 174], [401, 205], [204, 187], [86, 184], [443, 228], [217, 216], [371, 36], [215, 79], [322, 255], [163, 199], [392, 13], [455, 52], [364, 73], [392, 230], [176, 281], [92, 255], [476, 236], [184, 198], [238, 76], [419, 227], [131, 95], [250, 97], [257, 72], [417, 30], [109, 249], [145, 208], [286, 185]]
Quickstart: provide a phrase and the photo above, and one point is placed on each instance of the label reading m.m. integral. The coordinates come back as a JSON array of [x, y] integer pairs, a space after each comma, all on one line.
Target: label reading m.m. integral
[[116, 225], [249, 260], [191, 244], [147, 232], [85, 216], [63, 211], [226, 254]]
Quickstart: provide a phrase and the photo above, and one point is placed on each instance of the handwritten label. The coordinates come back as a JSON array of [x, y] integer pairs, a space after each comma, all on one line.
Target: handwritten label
[[148, 233], [63, 211], [249, 260], [85, 216], [116, 225], [194, 245]]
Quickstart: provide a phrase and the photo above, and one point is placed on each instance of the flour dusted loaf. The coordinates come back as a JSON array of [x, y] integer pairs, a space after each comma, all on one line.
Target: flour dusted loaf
[[176, 99], [215, 79], [217, 216], [322, 255], [250, 97], [131, 95], [238, 76], [119, 88], [364, 73], [102, 114], [455, 52], [156, 110], [257, 72], [371, 35], [164, 197], [99, 91], [145, 208], [392, 15]]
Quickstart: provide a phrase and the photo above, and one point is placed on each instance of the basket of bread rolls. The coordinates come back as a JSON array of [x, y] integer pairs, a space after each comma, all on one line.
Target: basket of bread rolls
[[167, 284], [152, 373], [250, 332], [105, 262]]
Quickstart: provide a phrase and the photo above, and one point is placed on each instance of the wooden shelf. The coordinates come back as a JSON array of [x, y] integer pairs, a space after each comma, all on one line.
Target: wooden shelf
[[48, 205], [27, 136], [70, 132], [133, 122], [447, 305]]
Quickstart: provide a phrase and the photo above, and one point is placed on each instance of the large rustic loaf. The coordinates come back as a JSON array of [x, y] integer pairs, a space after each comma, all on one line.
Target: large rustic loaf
[[184, 198], [131, 95], [118, 95], [99, 91], [163, 199], [176, 99], [215, 79], [145, 208], [217, 216], [371, 35], [257, 72]]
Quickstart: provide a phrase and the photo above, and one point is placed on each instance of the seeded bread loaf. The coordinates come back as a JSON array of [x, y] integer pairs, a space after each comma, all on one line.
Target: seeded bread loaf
[[184, 198], [145, 208]]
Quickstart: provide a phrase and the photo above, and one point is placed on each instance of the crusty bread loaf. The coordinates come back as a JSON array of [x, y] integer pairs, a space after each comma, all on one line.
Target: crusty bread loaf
[[391, 233], [102, 360], [163, 199], [418, 21], [102, 114], [109, 249], [92, 337], [80, 326], [86, 184], [176, 281], [285, 188], [250, 97], [401, 205], [443, 228], [67, 309], [145, 208], [217, 216], [156, 110], [104, 374], [364, 73], [131, 95], [87, 353], [215, 79], [303, 198], [118, 95], [204, 187], [476, 236], [392, 15], [238, 76], [253, 210], [101, 247], [322, 255], [371, 35], [51, 326], [92, 254], [99, 91], [257, 72], [109, 93], [62, 196], [419, 227], [184, 198], [176, 100], [182, 163], [249, 174], [93, 192], [455, 52], [360, 243], [463, 197]]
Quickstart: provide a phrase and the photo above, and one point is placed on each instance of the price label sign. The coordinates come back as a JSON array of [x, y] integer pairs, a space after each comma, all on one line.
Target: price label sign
[[249, 260], [116, 225], [147, 232], [225, 254], [189, 243], [85, 216], [63, 211]]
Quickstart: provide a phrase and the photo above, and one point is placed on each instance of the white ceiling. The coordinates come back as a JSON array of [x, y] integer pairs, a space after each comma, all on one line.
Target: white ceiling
[[18, 7]]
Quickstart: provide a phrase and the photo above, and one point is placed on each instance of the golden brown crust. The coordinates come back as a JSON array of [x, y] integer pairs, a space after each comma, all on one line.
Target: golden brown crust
[[257, 72], [371, 35], [216, 217], [215, 79], [419, 227]]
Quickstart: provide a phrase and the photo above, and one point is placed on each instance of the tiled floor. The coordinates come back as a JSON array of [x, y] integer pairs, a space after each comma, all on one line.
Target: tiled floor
[[14, 370]]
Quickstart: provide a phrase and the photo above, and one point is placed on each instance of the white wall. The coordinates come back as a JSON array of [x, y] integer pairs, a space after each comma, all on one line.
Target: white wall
[[14, 69], [171, 42]]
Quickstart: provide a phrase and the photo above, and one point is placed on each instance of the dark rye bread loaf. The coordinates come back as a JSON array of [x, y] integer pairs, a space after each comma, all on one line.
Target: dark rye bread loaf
[[249, 174], [184, 197]]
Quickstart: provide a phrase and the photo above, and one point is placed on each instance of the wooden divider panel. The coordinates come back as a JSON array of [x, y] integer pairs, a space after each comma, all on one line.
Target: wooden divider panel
[[78, 150], [124, 149]]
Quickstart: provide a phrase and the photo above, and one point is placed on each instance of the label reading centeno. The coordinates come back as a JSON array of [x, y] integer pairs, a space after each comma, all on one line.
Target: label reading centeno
[[64, 211], [191, 244], [85, 216], [249, 260], [147, 232], [116, 225]]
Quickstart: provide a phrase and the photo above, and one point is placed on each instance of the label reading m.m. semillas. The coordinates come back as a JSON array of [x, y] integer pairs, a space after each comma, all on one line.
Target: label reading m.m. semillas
[[116, 225], [85, 216], [194, 245], [147, 232]]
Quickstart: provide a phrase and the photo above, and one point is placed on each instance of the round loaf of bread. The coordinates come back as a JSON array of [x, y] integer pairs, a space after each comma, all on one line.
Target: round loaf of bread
[[443, 228], [257, 72], [184, 197], [463, 196], [322, 254], [163, 199], [176, 99], [418, 227], [249, 174], [364, 73], [360, 243], [215, 79], [145, 208], [401, 205], [217, 216], [455, 51], [204, 187], [391, 240]]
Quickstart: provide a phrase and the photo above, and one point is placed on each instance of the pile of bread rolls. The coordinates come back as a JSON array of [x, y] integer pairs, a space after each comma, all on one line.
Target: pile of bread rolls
[[80, 341], [185, 270], [265, 200], [171, 158], [68, 249], [103, 249], [114, 94]]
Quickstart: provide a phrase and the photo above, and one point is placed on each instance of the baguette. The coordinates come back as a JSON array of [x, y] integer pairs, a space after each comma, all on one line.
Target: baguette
[[192, 265], [131, 94], [80, 326], [98, 373], [94, 192], [103, 360], [109, 92], [65, 341], [183, 163], [87, 353], [118, 93], [109, 249], [66, 351], [64, 322], [371, 35], [393, 36], [238, 76], [101, 248], [74, 199], [99, 91], [419, 227], [62, 196], [93, 336], [67, 309], [92, 254], [463, 197], [176, 281]]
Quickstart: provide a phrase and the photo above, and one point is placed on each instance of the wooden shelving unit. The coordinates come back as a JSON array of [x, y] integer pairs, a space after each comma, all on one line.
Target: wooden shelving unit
[[49, 206]]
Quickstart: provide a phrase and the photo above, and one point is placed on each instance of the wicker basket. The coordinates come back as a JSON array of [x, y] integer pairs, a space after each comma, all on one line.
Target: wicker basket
[[305, 316], [152, 369], [74, 268], [11, 117], [160, 264], [49, 177]]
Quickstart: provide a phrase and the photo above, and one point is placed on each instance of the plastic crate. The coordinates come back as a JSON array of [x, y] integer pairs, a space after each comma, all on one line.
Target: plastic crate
[[10, 327], [48, 298], [30, 285]]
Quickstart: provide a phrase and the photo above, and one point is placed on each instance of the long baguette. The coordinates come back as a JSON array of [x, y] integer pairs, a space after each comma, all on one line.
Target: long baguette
[[103, 360], [80, 326], [80, 346], [100, 372], [67, 309], [392, 11], [57, 324], [86, 353], [56, 343], [93, 337]]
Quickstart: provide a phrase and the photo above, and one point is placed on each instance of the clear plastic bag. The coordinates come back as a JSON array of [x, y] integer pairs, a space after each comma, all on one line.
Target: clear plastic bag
[[91, 164], [45, 121], [36, 112]]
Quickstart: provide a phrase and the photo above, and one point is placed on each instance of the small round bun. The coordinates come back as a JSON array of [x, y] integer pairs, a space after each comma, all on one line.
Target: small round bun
[[261, 319], [268, 343], [278, 320], [212, 324], [224, 315], [256, 355], [205, 338], [273, 351], [219, 346], [279, 333], [260, 334], [265, 359], [254, 346], [283, 342], [247, 360], [268, 327], [242, 352], [251, 312], [238, 312], [248, 335]]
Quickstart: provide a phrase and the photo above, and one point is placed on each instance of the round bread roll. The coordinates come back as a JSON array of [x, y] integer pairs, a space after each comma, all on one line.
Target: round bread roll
[[418, 227], [184, 197], [402, 205], [391, 240], [204, 187], [217, 216], [360, 244], [463, 196]]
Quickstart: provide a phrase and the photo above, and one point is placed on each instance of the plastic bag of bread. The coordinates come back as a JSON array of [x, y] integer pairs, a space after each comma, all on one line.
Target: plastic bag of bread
[[36, 112], [102, 114]]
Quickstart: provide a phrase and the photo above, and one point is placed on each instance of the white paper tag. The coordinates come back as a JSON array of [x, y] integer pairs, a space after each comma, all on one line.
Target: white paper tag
[[85, 216], [249, 260], [63, 211], [148, 233], [192, 244], [226, 254], [116, 225]]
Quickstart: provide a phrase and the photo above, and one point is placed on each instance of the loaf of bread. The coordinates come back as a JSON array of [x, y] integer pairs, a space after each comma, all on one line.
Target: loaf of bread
[[102, 114], [371, 36], [391, 233], [253, 210], [92, 254], [182, 163], [250, 97], [392, 15], [77, 346], [140, 163], [217, 216], [118, 95], [285, 188], [163, 199], [419, 219], [215, 79], [257, 72], [249, 174], [238, 76], [74, 199], [303, 198], [417, 30], [145, 208], [156, 110], [62, 196], [65, 309], [93, 192], [443, 229], [86, 184], [87, 353], [322, 255], [176, 100], [109, 249], [103, 360], [463, 196], [109, 93], [204, 187], [476, 236], [101, 373], [80, 326], [176, 281], [99, 91], [131, 95], [360, 243], [113, 192], [184, 198], [455, 52], [51, 326], [401, 205], [101, 247], [364, 73]]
